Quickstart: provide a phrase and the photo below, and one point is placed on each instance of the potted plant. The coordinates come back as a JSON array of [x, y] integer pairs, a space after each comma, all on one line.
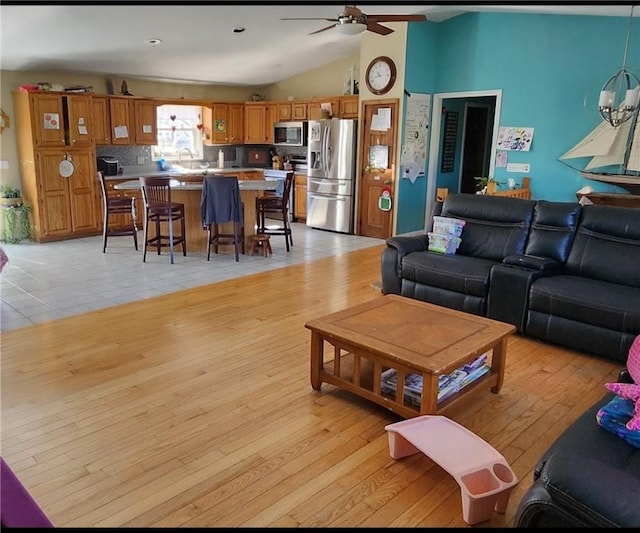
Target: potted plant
[[15, 215], [482, 184], [10, 196]]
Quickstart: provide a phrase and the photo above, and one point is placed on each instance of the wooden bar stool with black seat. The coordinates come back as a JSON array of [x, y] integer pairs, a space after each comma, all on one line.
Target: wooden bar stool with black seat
[[266, 205], [159, 209], [116, 205], [220, 203]]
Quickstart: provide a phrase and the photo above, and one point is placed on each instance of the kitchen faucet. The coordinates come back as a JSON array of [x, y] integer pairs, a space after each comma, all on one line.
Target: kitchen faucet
[[180, 154]]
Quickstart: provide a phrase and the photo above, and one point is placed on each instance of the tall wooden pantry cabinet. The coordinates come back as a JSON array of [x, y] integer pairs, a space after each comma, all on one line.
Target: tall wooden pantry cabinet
[[57, 161]]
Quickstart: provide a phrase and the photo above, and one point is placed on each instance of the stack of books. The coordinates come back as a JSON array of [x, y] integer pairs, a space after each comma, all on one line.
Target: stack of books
[[447, 383]]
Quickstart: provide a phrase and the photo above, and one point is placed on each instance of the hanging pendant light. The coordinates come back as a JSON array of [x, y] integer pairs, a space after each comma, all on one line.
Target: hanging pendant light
[[620, 95]]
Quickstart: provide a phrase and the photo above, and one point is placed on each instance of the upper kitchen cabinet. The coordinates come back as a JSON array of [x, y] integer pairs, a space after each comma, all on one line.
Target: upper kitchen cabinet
[[284, 112], [299, 110], [225, 121], [121, 120], [58, 119], [101, 120], [145, 120], [314, 110], [271, 111], [258, 122], [349, 106]]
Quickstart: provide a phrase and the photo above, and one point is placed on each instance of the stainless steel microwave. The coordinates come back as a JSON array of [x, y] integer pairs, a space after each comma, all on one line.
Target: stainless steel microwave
[[290, 133]]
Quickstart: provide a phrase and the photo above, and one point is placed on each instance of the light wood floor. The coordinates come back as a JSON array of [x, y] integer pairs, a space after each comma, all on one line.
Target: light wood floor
[[195, 409]]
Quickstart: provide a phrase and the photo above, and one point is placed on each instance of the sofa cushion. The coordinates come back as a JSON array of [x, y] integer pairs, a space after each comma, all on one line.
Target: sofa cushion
[[611, 306], [495, 226], [467, 275], [607, 232], [553, 229]]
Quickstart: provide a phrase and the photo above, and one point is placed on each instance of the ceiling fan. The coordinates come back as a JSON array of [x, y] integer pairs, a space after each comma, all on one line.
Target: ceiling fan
[[352, 21]]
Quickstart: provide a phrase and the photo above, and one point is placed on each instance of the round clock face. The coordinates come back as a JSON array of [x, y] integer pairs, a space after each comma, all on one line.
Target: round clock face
[[381, 75]]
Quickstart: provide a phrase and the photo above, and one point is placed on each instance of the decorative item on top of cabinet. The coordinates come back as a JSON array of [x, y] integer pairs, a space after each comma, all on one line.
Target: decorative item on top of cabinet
[[145, 120], [121, 122]]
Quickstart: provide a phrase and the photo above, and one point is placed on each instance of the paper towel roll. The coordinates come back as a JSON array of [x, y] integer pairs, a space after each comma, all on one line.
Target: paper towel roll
[[220, 158]]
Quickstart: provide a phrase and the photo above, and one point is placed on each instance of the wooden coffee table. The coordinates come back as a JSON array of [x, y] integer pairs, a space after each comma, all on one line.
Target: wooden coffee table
[[412, 337]]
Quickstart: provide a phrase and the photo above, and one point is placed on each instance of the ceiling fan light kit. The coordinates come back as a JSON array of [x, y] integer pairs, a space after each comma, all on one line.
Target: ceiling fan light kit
[[351, 27]]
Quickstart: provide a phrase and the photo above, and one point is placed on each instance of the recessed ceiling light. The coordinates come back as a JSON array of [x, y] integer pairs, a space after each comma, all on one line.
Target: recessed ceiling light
[[238, 30], [154, 41]]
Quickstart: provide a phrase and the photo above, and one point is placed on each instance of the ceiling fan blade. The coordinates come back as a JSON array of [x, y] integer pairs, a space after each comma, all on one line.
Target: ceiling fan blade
[[323, 29], [311, 18], [378, 28], [397, 18]]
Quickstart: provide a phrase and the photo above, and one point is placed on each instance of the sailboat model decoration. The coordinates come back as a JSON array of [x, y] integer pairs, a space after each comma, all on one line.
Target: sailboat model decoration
[[614, 144]]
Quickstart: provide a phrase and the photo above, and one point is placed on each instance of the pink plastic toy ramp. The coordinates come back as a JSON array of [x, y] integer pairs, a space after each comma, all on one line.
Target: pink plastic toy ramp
[[484, 476]]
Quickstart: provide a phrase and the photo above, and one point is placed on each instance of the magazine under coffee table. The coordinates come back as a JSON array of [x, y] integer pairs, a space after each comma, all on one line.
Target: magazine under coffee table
[[411, 337]]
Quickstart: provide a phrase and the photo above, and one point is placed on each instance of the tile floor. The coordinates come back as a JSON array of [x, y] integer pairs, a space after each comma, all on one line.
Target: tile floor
[[46, 281]]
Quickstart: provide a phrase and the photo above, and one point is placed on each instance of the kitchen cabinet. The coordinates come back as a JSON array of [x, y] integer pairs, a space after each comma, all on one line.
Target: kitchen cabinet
[[299, 110], [314, 111], [349, 106], [121, 120], [284, 113], [66, 206], [145, 122], [226, 123], [62, 207], [59, 119], [300, 197], [101, 120], [258, 122], [270, 119]]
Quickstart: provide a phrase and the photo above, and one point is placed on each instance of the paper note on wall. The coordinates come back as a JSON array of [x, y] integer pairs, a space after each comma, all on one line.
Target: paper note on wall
[[381, 121], [121, 132]]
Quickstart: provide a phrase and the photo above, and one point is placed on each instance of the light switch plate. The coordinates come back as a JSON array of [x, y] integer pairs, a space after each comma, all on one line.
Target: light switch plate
[[4, 165], [141, 159], [517, 167]]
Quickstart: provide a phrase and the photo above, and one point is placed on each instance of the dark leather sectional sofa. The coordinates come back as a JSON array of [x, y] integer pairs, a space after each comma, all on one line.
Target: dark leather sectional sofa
[[559, 271], [588, 477]]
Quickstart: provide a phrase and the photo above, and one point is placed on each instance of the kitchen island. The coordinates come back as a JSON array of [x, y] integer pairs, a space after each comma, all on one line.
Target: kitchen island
[[187, 189]]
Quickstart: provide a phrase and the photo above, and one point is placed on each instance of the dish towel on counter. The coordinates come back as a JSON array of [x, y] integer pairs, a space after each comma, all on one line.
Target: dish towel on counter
[[220, 201]]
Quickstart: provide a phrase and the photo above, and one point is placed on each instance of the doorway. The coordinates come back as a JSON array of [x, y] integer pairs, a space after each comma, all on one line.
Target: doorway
[[489, 140], [476, 145]]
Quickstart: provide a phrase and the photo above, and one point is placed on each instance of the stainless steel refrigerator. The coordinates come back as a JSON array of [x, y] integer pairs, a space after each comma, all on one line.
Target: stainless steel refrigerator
[[331, 171]]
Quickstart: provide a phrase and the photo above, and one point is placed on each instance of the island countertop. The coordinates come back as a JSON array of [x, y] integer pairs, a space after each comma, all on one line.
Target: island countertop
[[182, 172], [190, 193]]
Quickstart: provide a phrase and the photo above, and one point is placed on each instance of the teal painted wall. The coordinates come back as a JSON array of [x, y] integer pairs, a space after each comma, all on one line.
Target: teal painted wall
[[420, 77], [550, 69]]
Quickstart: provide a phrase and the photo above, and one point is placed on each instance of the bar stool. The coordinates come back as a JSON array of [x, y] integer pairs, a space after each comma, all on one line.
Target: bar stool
[[158, 208], [116, 205], [266, 205], [220, 203]]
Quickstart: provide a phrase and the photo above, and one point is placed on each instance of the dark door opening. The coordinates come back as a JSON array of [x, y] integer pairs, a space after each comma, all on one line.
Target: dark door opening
[[476, 146]]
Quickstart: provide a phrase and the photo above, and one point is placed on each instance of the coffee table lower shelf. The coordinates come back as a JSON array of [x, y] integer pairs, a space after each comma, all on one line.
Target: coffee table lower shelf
[[362, 376]]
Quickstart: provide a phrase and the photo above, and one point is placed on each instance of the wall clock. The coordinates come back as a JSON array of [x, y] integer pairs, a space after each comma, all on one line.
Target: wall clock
[[381, 75]]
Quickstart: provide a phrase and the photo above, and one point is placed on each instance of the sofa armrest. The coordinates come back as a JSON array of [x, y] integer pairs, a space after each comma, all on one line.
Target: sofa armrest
[[600, 494], [405, 245], [533, 262], [391, 260]]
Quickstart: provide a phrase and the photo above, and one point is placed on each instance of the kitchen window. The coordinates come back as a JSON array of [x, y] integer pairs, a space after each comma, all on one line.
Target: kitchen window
[[178, 126]]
